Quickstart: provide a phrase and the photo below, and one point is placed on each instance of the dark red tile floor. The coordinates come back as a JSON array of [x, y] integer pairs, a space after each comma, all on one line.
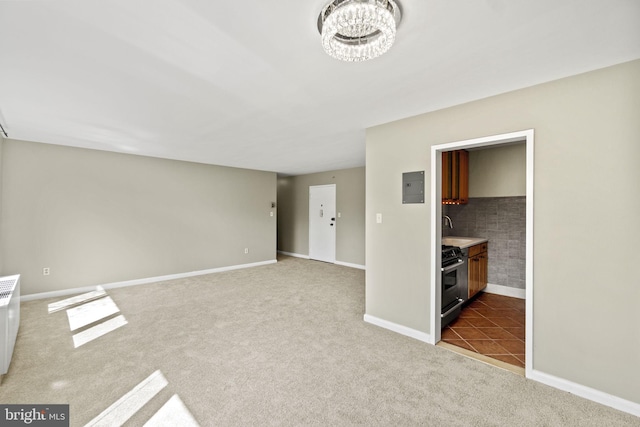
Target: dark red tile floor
[[492, 325]]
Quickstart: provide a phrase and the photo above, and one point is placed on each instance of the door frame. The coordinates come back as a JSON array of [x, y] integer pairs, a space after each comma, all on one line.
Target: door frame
[[335, 201], [436, 229]]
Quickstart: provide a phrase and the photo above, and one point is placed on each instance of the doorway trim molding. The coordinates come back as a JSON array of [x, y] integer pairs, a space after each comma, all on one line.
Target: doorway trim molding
[[436, 229]]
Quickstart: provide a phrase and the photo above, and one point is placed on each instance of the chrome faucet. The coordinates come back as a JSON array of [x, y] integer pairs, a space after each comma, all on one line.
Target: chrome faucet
[[447, 219]]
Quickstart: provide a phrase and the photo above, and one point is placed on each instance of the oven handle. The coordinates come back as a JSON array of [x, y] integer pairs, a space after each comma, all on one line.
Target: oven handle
[[460, 301], [451, 267]]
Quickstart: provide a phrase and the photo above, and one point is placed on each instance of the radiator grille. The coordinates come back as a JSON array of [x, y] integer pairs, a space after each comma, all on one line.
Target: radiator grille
[[6, 288], [9, 318]]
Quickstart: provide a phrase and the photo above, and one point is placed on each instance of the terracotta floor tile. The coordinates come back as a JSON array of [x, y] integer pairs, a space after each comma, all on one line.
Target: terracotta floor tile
[[461, 344], [493, 325], [518, 332], [496, 333], [486, 312], [487, 347], [482, 322], [470, 333], [519, 304], [520, 319], [512, 360], [520, 357], [495, 300], [500, 305], [469, 313], [480, 310], [504, 312], [479, 305], [461, 323], [505, 322], [514, 346], [449, 334]]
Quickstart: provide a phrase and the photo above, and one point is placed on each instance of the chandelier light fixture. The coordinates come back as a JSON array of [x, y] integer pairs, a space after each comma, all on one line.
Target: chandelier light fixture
[[358, 30]]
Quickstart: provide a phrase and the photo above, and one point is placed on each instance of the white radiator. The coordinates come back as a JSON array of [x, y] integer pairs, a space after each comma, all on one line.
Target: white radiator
[[9, 318]]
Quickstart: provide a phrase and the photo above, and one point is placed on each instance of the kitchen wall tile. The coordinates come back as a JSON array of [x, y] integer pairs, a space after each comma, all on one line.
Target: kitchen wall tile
[[501, 220]]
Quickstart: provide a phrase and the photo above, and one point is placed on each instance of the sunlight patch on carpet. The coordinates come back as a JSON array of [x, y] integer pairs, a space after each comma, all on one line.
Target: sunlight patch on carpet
[[99, 330], [125, 407], [78, 299], [86, 309], [91, 312], [172, 413]]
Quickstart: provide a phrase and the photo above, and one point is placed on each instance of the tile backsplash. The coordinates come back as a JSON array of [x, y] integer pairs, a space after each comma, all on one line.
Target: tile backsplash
[[501, 220]]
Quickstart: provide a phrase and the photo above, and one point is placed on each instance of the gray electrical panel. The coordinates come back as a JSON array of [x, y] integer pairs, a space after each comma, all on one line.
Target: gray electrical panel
[[413, 187]]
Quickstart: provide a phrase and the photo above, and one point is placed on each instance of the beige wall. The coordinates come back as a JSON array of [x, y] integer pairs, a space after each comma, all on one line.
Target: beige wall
[[293, 213], [587, 202], [96, 217], [498, 171]]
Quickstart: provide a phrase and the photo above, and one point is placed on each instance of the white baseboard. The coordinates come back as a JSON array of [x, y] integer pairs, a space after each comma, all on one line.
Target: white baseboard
[[586, 392], [348, 264], [550, 380], [294, 254], [505, 290], [345, 264], [71, 291], [400, 329]]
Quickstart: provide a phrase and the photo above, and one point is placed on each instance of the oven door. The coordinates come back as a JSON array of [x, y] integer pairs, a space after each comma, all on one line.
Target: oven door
[[451, 283], [452, 286]]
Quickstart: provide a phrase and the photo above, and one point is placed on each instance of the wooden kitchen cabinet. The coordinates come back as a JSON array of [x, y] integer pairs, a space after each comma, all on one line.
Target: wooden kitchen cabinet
[[478, 262], [455, 177]]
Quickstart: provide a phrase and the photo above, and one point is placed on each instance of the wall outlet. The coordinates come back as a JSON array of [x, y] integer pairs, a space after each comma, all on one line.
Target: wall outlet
[[45, 271], [379, 218], [246, 250]]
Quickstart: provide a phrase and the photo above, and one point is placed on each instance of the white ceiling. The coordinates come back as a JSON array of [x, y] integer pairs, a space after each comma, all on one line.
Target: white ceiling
[[246, 83]]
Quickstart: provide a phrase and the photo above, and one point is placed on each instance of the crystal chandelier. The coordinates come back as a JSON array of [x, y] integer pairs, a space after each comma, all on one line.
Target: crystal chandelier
[[358, 30]]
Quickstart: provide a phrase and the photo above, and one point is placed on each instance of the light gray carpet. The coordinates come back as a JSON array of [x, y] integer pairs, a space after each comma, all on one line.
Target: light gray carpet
[[282, 344]]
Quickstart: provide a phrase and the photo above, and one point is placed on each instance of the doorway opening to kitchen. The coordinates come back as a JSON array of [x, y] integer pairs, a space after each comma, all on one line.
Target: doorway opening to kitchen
[[500, 300]]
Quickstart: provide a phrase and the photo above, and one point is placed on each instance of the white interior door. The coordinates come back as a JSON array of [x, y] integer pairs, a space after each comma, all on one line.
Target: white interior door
[[322, 222]]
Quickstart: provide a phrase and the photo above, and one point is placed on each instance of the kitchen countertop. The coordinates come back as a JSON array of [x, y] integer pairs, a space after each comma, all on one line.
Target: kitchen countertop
[[462, 242]]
